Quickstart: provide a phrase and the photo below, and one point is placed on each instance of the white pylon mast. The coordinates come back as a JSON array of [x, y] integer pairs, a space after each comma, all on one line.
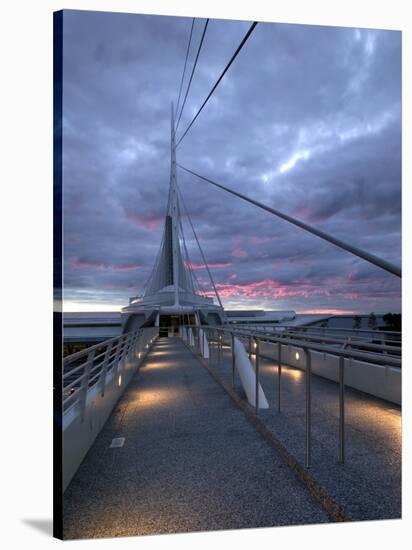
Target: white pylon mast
[[174, 212]]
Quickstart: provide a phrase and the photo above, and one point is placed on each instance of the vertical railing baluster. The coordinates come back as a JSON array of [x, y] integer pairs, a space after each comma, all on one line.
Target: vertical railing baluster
[[134, 345], [127, 347], [105, 366], [279, 373], [139, 344], [121, 357], [233, 360], [341, 409], [85, 383], [116, 355], [257, 376], [308, 376], [213, 351], [129, 343]]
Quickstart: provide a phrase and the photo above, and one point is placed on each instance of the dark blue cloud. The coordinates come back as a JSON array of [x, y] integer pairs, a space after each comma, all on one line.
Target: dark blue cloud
[[308, 119]]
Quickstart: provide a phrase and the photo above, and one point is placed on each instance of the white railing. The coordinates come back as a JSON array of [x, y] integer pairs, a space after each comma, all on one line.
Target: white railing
[[373, 346], [374, 369], [93, 381], [100, 364]]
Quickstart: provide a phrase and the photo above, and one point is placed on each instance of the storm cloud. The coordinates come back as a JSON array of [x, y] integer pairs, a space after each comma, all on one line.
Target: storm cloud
[[307, 120]]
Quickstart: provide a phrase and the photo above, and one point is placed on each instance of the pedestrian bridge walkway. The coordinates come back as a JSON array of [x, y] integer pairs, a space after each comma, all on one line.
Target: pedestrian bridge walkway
[[190, 461], [368, 485]]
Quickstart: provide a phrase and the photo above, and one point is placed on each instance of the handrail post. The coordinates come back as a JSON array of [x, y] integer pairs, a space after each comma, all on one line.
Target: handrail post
[[250, 347], [279, 372], [205, 337], [308, 375], [233, 360], [342, 409], [116, 356], [139, 343], [121, 356], [135, 344], [85, 383], [127, 347], [257, 376], [104, 367]]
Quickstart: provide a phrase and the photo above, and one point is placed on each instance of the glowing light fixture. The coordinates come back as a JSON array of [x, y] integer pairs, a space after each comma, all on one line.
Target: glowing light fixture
[[297, 356], [120, 380]]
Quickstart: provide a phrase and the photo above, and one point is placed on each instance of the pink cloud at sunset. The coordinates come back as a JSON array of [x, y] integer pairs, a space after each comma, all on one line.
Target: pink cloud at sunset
[[149, 222], [260, 240], [272, 289], [238, 252]]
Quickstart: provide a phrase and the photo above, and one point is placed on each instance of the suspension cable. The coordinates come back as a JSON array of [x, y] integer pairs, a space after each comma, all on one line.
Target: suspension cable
[[148, 283], [200, 248], [191, 273], [371, 258], [249, 32], [184, 67], [193, 72]]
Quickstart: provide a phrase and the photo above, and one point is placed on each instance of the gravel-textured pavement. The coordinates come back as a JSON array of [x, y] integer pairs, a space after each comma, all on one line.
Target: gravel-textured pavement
[[368, 485], [191, 461]]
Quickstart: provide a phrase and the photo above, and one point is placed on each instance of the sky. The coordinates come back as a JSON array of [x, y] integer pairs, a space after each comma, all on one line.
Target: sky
[[307, 120]]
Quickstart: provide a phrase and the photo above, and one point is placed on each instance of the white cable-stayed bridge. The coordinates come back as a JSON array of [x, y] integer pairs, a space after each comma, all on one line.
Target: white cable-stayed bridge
[[187, 422]]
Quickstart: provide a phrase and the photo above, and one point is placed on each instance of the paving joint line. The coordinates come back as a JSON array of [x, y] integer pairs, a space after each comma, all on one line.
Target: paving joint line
[[332, 508]]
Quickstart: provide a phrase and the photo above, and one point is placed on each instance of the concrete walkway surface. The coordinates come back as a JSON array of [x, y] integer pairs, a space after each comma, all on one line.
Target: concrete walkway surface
[[368, 485], [191, 461]]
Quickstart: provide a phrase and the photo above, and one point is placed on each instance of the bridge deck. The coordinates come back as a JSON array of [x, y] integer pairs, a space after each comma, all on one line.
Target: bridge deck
[[191, 461], [368, 485]]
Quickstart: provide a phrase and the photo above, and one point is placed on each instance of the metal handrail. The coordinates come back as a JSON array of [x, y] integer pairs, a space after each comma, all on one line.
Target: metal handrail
[[93, 369], [342, 329], [78, 354], [308, 414], [354, 343], [358, 333], [307, 347], [322, 333], [379, 358], [304, 328]]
